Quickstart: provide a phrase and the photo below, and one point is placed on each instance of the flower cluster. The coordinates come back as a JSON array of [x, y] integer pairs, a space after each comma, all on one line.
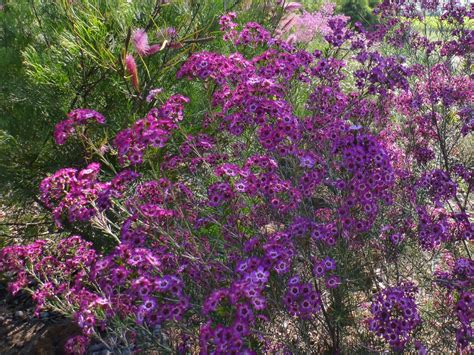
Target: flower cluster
[[77, 345], [134, 283], [78, 117], [153, 93], [433, 228], [459, 281], [128, 282], [252, 33], [325, 266], [226, 338], [152, 131], [383, 74], [56, 271], [395, 315], [228, 26], [301, 299], [438, 184], [77, 195]]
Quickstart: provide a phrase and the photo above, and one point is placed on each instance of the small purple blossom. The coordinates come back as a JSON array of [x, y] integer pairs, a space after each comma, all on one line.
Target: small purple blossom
[[77, 117], [153, 93]]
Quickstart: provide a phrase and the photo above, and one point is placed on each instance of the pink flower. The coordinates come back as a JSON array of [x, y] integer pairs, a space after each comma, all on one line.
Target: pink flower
[[293, 6], [140, 41], [156, 48], [304, 27], [131, 66]]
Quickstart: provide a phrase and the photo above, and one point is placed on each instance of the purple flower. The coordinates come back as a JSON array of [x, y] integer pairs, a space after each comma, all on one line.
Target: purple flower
[[395, 315], [329, 264], [64, 129], [333, 281], [77, 345], [153, 93]]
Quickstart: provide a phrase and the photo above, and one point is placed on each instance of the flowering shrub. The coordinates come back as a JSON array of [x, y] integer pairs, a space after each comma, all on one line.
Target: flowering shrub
[[57, 273], [308, 185]]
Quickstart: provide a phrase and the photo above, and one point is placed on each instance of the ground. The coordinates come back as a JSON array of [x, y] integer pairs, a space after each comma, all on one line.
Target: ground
[[21, 333]]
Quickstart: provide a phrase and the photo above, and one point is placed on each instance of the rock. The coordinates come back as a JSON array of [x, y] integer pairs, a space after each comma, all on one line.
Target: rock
[[102, 352], [96, 348], [47, 340], [20, 315]]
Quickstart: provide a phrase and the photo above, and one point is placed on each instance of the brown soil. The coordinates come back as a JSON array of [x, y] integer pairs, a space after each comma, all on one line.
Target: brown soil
[[21, 333]]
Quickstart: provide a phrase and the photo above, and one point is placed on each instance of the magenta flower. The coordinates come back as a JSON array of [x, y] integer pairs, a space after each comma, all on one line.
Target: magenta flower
[[64, 129], [395, 315], [77, 345]]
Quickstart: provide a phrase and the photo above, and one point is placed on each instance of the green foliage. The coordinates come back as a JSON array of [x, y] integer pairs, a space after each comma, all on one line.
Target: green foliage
[[60, 55], [27, 112], [359, 10], [56, 56]]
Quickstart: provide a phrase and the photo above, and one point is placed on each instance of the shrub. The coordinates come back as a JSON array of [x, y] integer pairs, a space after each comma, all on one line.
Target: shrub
[[296, 213]]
